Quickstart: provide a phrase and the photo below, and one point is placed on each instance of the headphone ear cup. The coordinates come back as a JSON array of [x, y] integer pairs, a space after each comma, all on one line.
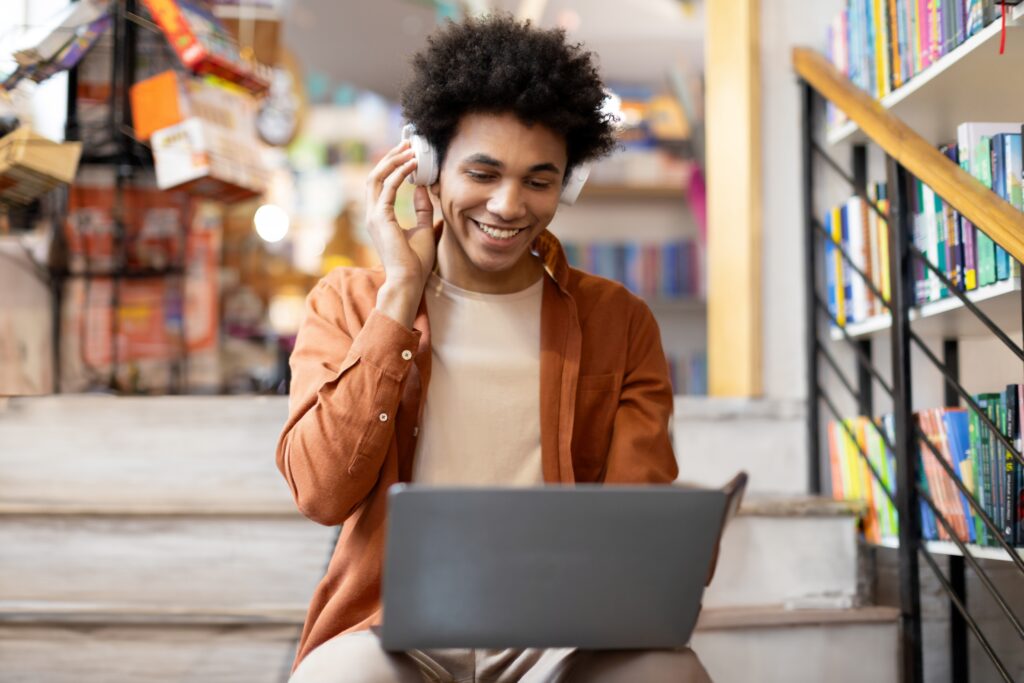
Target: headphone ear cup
[[573, 186], [426, 157]]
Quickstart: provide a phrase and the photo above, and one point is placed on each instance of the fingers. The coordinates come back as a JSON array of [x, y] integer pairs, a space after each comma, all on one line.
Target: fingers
[[424, 208], [389, 189], [394, 158]]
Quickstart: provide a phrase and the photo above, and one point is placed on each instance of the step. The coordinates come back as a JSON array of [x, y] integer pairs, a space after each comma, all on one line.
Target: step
[[174, 452], [776, 645], [241, 560], [221, 561], [55, 613], [158, 653], [112, 644], [716, 437], [787, 549]]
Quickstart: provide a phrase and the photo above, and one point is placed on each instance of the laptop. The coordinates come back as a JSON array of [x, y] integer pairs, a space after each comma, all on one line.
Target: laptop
[[591, 567]]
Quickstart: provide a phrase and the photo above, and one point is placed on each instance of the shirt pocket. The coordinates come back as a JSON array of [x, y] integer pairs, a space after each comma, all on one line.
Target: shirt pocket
[[597, 399]]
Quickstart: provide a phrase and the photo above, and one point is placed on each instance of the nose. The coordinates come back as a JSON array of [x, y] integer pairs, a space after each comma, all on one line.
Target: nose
[[507, 202]]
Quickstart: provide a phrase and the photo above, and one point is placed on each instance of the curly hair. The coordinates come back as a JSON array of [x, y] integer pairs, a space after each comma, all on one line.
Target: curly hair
[[495, 64]]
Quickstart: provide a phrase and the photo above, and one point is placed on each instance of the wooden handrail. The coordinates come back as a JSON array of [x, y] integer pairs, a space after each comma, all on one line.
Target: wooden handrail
[[985, 209]]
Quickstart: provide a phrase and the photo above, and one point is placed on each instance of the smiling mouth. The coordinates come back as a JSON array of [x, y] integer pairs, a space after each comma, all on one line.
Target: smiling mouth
[[498, 233]]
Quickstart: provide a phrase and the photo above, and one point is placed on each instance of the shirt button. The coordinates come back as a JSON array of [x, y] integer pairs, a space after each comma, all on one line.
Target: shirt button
[[383, 417], [407, 355]]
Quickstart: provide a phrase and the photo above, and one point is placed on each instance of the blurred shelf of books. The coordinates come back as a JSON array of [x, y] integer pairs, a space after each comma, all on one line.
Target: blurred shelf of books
[[915, 57], [986, 470], [979, 268]]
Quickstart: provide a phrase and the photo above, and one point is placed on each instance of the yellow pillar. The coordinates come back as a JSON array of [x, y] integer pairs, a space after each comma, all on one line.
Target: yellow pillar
[[733, 151]]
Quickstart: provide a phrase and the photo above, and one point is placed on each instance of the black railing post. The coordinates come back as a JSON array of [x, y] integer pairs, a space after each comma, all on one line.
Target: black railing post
[[865, 386], [906, 441], [810, 290], [957, 578]]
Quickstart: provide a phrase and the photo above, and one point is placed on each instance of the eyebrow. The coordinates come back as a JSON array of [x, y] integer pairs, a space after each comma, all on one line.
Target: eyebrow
[[487, 160]]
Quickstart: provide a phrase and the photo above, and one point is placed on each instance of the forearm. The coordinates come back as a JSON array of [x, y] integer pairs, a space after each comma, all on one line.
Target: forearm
[[342, 410], [332, 454]]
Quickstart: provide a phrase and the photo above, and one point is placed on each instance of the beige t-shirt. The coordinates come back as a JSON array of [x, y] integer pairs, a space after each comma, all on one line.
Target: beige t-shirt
[[481, 421]]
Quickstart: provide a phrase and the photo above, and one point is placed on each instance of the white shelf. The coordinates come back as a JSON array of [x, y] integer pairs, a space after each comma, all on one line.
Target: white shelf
[[971, 83], [950, 548], [633, 192], [681, 305], [950, 318]]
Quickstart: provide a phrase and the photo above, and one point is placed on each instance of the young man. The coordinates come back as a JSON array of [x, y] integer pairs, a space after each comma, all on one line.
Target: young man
[[474, 355]]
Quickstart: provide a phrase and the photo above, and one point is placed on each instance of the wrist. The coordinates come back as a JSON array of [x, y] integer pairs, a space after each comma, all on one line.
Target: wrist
[[399, 301]]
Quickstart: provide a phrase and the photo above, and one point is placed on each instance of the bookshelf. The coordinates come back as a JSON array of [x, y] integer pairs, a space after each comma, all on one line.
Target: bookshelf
[[952, 550], [633, 192], [932, 102], [889, 370], [949, 317]]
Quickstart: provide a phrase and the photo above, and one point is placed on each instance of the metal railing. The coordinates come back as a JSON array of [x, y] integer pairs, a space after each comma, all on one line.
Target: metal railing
[[910, 444]]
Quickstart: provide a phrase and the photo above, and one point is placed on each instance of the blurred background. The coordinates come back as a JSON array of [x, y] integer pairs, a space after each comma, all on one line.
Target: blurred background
[[140, 271], [176, 175]]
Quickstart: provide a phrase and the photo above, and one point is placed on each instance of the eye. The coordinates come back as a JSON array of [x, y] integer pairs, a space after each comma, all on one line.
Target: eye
[[539, 184], [480, 176]]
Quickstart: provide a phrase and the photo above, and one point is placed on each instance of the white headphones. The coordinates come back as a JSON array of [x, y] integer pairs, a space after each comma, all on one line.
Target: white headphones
[[428, 168]]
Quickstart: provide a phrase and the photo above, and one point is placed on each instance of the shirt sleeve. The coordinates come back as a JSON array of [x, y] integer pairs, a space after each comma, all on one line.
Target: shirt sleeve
[[641, 446], [344, 394]]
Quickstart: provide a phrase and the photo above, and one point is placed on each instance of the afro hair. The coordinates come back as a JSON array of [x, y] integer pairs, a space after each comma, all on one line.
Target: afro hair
[[496, 65]]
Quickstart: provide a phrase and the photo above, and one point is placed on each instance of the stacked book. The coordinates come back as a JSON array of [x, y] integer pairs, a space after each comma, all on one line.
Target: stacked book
[[669, 270], [688, 373], [881, 44], [991, 152], [864, 236], [852, 478], [968, 258], [981, 462]]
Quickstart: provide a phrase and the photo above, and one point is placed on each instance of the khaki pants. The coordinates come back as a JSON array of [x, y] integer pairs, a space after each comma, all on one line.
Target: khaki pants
[[359, 658]]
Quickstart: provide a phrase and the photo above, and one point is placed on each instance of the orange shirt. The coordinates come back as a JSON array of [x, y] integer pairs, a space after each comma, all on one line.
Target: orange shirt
[[358, 383]]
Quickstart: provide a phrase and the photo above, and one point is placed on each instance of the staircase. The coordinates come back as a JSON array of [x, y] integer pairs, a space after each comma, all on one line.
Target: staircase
[[150, 540], [790, 601], [153, 539]]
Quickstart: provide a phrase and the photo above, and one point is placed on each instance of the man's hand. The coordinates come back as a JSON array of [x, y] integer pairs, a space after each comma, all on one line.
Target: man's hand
[[407, 255]]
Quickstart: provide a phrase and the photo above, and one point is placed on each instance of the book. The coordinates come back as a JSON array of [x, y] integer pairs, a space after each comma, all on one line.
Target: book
[[998, 185], [974, 152], [660, 270], [1011, 429], [883, 244], [839, 266], [1019, 496], [955, 423], [1014, 170]]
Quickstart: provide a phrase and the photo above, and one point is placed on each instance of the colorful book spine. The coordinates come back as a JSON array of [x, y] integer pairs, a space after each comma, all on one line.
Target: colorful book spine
[[670, 270], [1011, 429], [955, 422], [1019, 495], [882, 44], [883, 244]]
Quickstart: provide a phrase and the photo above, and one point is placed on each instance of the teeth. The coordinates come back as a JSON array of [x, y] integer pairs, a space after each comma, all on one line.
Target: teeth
[[497, 233]]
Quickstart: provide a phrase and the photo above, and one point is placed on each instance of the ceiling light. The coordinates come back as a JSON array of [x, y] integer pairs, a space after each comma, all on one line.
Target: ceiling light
[[271, 222]]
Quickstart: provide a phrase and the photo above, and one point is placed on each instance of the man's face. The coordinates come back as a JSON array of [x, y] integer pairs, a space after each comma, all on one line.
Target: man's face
[[498, 189]]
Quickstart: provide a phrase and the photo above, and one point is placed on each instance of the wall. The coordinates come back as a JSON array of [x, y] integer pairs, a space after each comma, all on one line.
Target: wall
[[784, 24]]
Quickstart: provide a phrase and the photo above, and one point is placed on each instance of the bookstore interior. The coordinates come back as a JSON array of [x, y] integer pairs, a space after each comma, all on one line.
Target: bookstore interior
[[176, 177]]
